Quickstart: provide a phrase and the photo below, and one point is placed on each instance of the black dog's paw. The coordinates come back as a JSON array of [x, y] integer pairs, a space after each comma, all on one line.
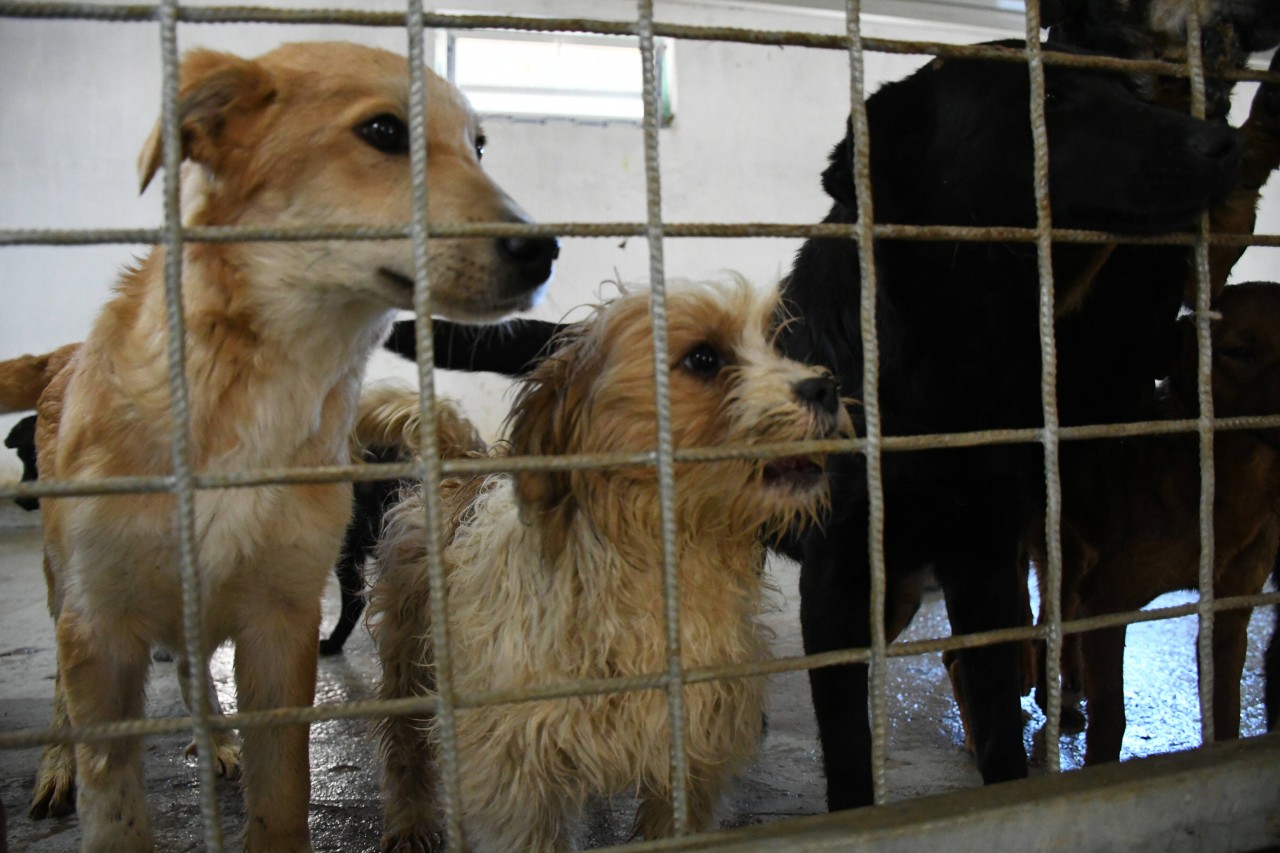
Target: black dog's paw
[[329, 647]]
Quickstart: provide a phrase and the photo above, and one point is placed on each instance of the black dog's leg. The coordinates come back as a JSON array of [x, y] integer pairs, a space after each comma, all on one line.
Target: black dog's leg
[[834, 614], [982, 594], [351, 581], [358, 544]]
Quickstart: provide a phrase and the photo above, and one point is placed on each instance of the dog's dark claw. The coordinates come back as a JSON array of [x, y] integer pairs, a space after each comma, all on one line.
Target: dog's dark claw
[[54, 800]]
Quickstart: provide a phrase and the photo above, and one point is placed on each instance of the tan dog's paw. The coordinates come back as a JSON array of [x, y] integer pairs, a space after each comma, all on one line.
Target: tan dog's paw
[[416, 841], [55, 790], [226, 754]]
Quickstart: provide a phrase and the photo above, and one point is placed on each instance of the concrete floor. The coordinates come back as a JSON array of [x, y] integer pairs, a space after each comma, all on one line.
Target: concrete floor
[[926, 754]]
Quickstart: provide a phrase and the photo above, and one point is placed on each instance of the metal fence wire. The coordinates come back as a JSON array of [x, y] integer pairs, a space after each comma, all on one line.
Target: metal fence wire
[[185, 482]]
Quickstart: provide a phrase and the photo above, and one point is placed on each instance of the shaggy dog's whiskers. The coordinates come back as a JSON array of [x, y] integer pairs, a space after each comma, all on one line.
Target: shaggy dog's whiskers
[[554, 576]]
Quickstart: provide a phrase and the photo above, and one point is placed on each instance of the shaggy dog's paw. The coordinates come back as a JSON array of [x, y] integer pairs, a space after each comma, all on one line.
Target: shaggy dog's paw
[[55, 790], [226, 754], [416, 841]]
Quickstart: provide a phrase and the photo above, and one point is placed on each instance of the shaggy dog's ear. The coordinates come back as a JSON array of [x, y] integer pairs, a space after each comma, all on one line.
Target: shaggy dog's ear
[[215, 88], [548, 419], [837, 180]]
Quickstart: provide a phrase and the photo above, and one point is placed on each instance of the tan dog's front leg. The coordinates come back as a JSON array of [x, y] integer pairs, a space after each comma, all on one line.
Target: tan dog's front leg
[[276, 668], [55, 789], [104, 679], [226, 746]]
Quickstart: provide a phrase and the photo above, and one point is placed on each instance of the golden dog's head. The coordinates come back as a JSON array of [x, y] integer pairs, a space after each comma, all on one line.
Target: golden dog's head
[[317, 134], [729, 387]]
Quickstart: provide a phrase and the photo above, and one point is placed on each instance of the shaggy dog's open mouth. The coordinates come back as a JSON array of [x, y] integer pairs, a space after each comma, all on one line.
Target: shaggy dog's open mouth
[[796, 472]]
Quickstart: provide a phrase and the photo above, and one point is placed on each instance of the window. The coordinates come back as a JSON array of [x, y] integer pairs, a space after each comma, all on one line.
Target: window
[[536, 75]]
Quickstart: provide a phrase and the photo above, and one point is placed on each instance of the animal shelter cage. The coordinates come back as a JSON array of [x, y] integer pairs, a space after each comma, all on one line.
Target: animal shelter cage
[[1021, 815]]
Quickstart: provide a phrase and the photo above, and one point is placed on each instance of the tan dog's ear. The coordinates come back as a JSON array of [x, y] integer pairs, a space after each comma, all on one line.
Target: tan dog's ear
[[214, 87], [547, 419]]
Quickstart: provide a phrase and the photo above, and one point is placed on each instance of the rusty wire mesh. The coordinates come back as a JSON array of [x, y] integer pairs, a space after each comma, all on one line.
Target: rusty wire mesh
[[185, 482]]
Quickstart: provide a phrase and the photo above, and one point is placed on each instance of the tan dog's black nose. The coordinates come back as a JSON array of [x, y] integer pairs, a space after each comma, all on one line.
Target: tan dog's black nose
[[820, 393], [532, 256]]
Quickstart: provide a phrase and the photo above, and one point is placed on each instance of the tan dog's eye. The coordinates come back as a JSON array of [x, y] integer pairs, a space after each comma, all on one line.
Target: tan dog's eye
[[385, 132], [703, 361], [481, 141]]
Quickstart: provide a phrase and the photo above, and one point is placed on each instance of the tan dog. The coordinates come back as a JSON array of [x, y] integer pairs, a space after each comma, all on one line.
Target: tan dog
[[1131, 516], [556, 576], [277, 338]]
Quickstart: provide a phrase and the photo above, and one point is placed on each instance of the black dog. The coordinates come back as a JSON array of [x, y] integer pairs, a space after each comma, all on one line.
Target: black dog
[[957, 326], [1157, 29], [22, 438]]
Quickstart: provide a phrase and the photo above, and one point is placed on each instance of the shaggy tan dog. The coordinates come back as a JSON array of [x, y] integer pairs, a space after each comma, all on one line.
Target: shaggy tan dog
[[557, 576], [277, 339]]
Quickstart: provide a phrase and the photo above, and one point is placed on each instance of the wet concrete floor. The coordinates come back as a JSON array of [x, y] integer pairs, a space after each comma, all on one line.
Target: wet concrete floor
[[926, 752]]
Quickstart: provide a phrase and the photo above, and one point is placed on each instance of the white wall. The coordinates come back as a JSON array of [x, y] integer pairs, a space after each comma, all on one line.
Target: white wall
[[753, 128]]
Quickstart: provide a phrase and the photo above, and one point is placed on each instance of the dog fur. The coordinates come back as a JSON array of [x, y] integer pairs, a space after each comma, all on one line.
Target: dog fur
[[1125, 341], [385, 431], [22, 439], [1130, 514], [556, 575], [277, 335], [957, 325]]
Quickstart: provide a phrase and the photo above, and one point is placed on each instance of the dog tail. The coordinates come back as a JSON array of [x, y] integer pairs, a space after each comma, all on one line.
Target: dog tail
[[389, 417], [23, 379]]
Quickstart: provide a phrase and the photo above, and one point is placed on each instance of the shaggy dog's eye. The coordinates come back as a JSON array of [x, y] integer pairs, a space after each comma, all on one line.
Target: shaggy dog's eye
[[704, 360], [481, 141], [385, 132]]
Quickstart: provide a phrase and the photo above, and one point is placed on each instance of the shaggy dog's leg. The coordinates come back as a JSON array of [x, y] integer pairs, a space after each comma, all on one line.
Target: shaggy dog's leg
[[104, 678], [55, 789], [520, 811], [398, 619], [656, 816], [226, 746], [834, 603], [276, 668]]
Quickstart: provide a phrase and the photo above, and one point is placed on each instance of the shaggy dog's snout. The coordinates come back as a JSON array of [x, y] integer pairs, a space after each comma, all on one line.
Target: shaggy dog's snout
[[820, 394]]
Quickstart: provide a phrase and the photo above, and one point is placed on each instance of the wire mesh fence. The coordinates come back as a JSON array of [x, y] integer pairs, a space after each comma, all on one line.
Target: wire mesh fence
[[185, 482]]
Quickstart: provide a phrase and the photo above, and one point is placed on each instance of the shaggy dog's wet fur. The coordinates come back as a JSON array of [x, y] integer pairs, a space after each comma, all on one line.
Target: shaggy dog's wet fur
[[957, 325], [277, 336], [557, 576]]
